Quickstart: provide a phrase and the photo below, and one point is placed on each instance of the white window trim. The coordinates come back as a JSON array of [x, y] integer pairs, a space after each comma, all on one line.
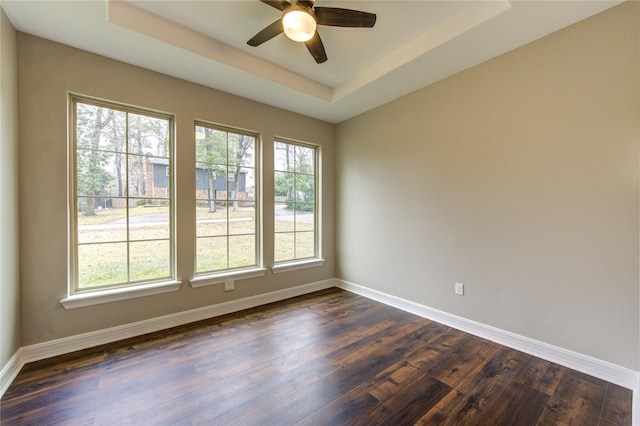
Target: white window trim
[[98, 297], [207, 280], [294, 266], [76, 297]]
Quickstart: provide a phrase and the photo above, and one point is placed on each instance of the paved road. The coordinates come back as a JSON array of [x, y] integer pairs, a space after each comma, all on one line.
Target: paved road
[[163, 219]]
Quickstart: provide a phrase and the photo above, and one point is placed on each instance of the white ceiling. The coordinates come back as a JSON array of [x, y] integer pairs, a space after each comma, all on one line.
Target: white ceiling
[[413, 44]]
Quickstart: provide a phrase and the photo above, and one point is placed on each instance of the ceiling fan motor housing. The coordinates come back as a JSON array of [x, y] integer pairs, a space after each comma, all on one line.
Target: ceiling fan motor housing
[[299, 23]]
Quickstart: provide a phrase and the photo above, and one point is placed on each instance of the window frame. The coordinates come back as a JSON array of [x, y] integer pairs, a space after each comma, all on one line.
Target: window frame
[[316, 260], [76, 295], [227, 275]]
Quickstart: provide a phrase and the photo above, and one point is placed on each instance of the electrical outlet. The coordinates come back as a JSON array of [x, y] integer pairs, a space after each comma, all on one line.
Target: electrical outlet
[[228, 284], [460, 289]]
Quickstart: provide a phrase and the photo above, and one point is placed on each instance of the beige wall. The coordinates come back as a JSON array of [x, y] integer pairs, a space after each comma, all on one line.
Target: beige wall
[[47, 71], [9, 246], [518, 178]]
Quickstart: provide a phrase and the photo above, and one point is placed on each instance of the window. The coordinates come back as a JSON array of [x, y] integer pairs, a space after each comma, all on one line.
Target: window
[[226, 212], [296, 201], [122, 226]]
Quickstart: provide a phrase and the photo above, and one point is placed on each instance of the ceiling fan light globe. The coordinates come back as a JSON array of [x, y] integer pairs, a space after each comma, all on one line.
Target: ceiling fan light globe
[[298, 24]]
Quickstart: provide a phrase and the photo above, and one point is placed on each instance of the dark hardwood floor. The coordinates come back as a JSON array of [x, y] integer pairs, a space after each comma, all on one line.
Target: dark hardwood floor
[[328, 358]]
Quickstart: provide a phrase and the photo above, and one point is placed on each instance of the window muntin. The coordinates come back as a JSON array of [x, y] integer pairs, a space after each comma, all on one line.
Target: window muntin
[[227, 222], [121, 219], [296, 201]]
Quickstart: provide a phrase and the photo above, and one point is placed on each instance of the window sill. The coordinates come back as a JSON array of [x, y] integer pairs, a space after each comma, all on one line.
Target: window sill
[[206, 280], [112, 295], [294, 266]]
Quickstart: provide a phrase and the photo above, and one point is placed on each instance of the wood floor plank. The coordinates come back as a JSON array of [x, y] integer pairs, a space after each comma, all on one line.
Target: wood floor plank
[[295, 407], [462, 361], [330, 357], [451, 410], [409, 404], [389, 381], [478, 391], [62, 403], [431, 352], [578, 399], [344, 410], [516, 405], [617, 405], [541, 375]]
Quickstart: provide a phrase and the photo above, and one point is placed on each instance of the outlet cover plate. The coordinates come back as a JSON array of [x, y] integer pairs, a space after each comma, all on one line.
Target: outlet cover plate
[[228, 284], [460, 289]]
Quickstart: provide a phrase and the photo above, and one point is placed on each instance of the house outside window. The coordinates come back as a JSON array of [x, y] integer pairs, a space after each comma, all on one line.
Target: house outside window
[[227, 214], [121, 197], [296, 201]]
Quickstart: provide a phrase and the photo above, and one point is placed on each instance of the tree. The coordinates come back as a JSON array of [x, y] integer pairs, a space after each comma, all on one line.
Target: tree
[[147, 137], [295, 180], [118, 144], [105, 138], [92, 176], [241, 149], [211, 152], [223, 153]]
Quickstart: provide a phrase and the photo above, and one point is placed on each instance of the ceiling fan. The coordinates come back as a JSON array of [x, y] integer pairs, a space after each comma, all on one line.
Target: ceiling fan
[[300, 18]]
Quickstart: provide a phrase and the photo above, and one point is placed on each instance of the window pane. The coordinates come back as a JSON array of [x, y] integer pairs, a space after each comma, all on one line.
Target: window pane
[[210, 222], [148, 136], [284, 186], [109, 225], [241, 183], [283, 157], [284, 218], [95, 172], [234, 182], [100, 128], [210, 181], [139, 167], [243, 221], [242, 251], [157, 176], [305, 217], [149, 221], [304, 188], [102, 264], [284, 247], [304, 160], [211, 254], [211, 145], [150, 259], [241, 149], [305, 245]]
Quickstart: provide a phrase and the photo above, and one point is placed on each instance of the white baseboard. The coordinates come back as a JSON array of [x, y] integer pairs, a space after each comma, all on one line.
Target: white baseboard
[[592, 366], [635, 409], [87, 340], [10, 371]]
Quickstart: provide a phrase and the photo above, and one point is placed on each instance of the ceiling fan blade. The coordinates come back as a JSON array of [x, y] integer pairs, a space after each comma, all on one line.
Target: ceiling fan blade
[[337, 17], [266, 34], [278, 4], [316, 48]]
